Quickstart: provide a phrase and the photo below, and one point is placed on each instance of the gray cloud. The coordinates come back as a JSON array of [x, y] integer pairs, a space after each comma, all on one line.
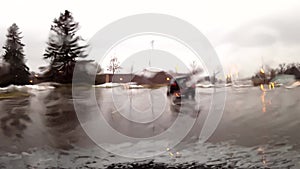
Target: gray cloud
[[157, 58], [281, 27]]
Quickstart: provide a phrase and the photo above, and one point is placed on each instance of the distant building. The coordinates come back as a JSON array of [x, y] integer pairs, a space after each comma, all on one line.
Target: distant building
[[145, 77], [115, 78], [85, 72]]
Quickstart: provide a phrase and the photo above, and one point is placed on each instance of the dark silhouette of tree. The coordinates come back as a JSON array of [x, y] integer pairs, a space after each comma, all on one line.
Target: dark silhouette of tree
[[114, 65], [273, 73], [63, 48], [282, 68], [14, 55], [13, 122], [213, 78], [195, 68]]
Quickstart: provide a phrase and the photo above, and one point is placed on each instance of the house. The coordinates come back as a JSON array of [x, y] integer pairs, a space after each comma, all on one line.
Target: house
[[145, 77], [114, 78], [152, 77]]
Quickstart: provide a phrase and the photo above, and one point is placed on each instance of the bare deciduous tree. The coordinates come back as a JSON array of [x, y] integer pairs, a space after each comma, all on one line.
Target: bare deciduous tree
[[114, 65], [195, 68]]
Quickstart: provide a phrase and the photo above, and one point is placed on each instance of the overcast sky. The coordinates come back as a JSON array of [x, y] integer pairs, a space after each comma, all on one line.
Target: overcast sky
[[241, 31]]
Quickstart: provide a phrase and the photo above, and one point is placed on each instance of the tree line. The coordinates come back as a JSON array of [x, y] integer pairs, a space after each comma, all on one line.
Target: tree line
[[62, 51]]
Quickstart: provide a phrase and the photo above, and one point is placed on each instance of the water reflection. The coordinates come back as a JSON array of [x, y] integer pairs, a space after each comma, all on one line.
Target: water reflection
[[136, 113], [14, 116], [59, 118], [59, 111], [263, 102]]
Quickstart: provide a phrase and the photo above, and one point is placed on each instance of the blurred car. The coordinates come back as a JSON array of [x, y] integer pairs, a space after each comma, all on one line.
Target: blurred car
[[181, 87]]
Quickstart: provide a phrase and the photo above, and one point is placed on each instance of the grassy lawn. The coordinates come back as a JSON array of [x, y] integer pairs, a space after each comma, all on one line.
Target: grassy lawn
[[12, 95]]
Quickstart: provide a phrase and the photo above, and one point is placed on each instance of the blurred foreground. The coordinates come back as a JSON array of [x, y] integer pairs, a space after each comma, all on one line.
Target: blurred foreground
[[40, 129]]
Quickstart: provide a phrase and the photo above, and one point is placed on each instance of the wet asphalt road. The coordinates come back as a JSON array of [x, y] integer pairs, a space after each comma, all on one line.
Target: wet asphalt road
[[258, 129]]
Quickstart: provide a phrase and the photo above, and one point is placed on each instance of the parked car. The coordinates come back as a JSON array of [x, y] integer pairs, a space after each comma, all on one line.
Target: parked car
[[181, 87]]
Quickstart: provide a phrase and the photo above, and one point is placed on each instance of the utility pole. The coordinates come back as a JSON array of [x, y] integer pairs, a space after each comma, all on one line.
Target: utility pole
[[152, 109], [152, 47], [262, 62], [213, 81]]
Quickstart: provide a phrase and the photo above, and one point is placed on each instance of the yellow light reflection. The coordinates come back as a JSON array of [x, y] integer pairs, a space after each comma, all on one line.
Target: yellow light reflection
[[262, 88], [263, 102], [271, 85]]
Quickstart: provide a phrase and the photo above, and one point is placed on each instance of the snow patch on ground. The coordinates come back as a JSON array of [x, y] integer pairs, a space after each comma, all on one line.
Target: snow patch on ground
[[294, 85]]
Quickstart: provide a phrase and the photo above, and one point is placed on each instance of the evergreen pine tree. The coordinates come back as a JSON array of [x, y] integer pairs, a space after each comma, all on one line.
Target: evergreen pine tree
[[14, 56], [63, 48]]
